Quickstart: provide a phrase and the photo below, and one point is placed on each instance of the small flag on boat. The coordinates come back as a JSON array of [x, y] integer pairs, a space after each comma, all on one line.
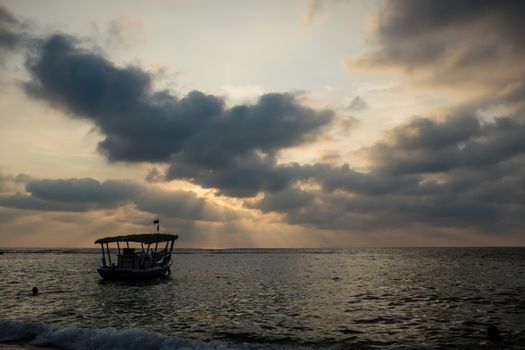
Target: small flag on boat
[[156, 221]]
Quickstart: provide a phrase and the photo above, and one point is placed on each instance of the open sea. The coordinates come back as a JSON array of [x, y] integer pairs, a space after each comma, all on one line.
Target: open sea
[[400, 298]]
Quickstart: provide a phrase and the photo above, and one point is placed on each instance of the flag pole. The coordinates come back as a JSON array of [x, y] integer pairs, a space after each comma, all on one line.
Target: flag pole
[[157, 221]]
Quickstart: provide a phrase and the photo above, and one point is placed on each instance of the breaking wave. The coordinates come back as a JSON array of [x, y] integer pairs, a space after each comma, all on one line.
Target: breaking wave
[[75, 338]]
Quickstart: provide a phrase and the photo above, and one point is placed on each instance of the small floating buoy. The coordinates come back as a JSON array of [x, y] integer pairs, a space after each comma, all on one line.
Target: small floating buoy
[[35, 291], [493, 333]]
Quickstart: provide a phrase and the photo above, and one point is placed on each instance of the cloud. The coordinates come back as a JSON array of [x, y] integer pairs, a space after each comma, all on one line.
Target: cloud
[[451, 42], [182, 205], [315, 8], [357, 104], [83, 195], [242, 175], [154, 175], [28, 202], [12, 31], [491, 203], [424, 145], [124, 31], [4, 182], [201, 139], [285, 201], [9, 183], [454, 173], [347, 123], [83, 190], [8, 38], [459, 173], [72, 195]]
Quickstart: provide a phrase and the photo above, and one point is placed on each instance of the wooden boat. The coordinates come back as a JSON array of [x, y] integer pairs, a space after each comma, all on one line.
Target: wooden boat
[[151, 260]]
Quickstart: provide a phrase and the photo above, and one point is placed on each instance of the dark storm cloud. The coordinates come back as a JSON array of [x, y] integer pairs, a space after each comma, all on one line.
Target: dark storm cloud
[[402, 19], [252, 174], [202, 139], [83, 190], [28, 202], [181, 205], [452, 41], [458, 172], [425, 146], [72, 195], [81, 195], [490, 201], [286, 200], [141, 124], [242, 175], [335, 211], [463, 171]]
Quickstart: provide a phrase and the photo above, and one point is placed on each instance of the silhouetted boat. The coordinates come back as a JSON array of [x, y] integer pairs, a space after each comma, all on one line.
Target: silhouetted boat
[[151, 260]]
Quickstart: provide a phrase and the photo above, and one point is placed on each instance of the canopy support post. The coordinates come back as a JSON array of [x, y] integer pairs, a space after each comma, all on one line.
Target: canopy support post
[[103, 255], [109, 255]]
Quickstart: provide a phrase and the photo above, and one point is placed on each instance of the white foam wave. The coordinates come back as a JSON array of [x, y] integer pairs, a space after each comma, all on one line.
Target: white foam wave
[[16, 330], [75, 338]]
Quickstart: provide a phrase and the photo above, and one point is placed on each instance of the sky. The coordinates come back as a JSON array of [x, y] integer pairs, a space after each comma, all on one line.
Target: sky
[[311, 123]]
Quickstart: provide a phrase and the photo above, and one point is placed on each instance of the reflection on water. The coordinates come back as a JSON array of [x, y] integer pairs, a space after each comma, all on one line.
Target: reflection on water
[[359, 296]]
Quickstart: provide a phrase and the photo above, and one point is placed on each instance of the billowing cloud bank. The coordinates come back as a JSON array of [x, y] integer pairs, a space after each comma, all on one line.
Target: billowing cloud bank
[[459, 171], [232, 149], [478, 43], [81, 195]]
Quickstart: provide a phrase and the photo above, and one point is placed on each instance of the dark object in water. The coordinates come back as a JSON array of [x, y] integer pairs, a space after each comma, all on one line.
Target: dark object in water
[[35, 291], [493, 333], [150, 261]]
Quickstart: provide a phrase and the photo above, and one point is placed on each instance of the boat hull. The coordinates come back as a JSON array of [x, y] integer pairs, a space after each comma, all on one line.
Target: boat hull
[[116, 274]]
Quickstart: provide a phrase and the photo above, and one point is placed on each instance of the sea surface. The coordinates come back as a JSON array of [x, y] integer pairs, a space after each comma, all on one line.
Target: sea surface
[[268, 299]]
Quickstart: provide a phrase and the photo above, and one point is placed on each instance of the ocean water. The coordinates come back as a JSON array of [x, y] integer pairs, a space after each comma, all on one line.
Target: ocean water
[[268, 299]]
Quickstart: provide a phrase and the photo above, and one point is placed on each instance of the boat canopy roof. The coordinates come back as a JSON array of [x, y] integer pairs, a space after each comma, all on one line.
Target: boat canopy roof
[[147, 238]]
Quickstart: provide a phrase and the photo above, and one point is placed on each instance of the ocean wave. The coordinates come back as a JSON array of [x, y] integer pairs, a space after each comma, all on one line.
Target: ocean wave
[[76, 338]]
